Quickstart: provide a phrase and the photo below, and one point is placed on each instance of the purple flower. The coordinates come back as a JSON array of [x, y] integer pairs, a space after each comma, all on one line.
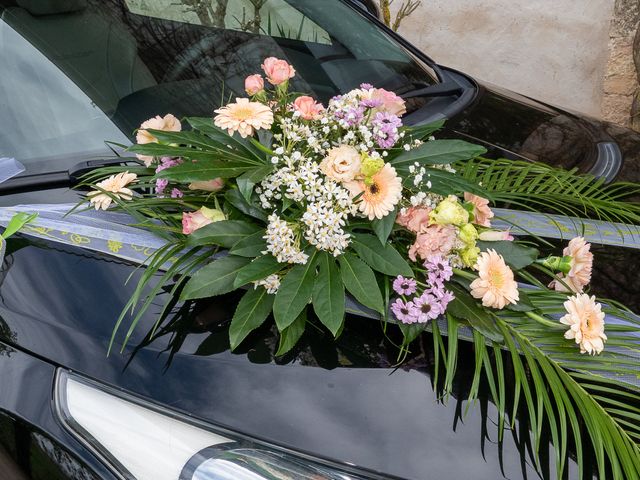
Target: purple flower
[[371, 103], [167, 162], [161, 184], [438, 269], [176, 193], [366, 86], [405, 312], [404, 286], [428, 307], [385, 129], [354, 115], [444, 296]]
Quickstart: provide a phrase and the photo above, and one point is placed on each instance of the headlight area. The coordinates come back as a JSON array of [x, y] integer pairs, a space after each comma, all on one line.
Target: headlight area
[[143, 441]]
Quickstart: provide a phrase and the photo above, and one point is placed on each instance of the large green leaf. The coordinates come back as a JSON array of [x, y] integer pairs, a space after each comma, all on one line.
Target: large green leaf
[[205, 125], [384, 226], [294, 293], [361, 282], [251, 246], [191, 138], [235, 198], [515, 255], [225, 233], [328, 294], [203, 169], [253, 309], [438, 152], [214, 279], [421, 132], [258, 269], [290, 335], [384, 259], [466, 308], [444, 183]]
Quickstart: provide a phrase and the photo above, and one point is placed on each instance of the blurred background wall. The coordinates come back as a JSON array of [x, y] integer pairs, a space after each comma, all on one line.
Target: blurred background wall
[[577, 54]]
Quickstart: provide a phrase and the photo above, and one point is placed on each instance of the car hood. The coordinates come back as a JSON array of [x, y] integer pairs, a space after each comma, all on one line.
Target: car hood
[[344, 401], [515, 126]]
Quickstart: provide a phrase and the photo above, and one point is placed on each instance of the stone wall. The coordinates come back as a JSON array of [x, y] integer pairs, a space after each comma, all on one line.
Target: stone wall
[[573, 53], [621, 79]]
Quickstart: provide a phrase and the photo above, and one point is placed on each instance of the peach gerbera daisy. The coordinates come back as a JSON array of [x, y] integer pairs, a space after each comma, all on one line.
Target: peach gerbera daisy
[[243, 117], [586, 323], [381, 196], [168, 123], [116, 185], [481, 212], [581, 265], [495, 284]]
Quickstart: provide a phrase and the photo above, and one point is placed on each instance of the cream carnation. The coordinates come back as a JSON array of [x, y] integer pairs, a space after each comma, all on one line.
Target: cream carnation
[[495, 284], [244, 117], [342, 163], [585, 319], [379, 197], [481, 212], [116, 185]]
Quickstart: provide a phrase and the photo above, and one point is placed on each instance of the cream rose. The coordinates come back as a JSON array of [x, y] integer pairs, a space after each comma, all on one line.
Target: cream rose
[[342, 163]]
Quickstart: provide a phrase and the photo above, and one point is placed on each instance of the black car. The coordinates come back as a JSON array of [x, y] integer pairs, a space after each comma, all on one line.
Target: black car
[[177, 404]]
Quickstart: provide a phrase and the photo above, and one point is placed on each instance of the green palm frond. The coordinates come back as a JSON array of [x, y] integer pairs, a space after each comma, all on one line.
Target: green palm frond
[[574, 397], [536, 186]]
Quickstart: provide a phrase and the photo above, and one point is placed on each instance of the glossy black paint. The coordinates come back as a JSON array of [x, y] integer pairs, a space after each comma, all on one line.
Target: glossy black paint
[[345, 402]]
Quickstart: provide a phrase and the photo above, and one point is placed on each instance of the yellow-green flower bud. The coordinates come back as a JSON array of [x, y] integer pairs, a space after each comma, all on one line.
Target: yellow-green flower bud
[[469, 256], [468, 235], [558, 264], [449, 212], [370, 166]]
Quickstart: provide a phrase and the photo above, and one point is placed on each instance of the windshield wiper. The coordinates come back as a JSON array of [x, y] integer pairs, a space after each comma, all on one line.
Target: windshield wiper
[[60, 179], [444, 89]]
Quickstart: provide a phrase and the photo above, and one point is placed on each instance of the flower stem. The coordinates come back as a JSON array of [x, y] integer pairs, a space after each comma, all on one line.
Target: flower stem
[[540, 319], [464, 273]]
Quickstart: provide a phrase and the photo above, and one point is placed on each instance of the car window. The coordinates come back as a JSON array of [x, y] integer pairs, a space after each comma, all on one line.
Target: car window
[[79, 72]]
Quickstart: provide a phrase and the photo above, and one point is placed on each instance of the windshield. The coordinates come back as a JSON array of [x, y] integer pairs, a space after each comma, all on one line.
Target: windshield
[[79, 72]]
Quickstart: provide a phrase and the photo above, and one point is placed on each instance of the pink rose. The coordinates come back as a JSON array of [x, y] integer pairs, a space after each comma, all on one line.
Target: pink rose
[[254, 84], [278, 71], [436, 240], [214, 185], [308, 108], [481, 211], [415, 219], [193, 221], [391, 102]]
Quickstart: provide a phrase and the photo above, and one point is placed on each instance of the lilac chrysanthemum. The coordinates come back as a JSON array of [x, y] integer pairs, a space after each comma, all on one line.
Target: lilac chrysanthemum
[[161, 183], [176, 193], [404, 286], [443, 296], [366, 86], [371, 103], [405, 312], [438, 269], [428, 307], [385, 129]]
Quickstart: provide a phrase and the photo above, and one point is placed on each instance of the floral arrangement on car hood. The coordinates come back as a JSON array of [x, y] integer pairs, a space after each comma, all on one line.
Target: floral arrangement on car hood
[[301, 204]]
